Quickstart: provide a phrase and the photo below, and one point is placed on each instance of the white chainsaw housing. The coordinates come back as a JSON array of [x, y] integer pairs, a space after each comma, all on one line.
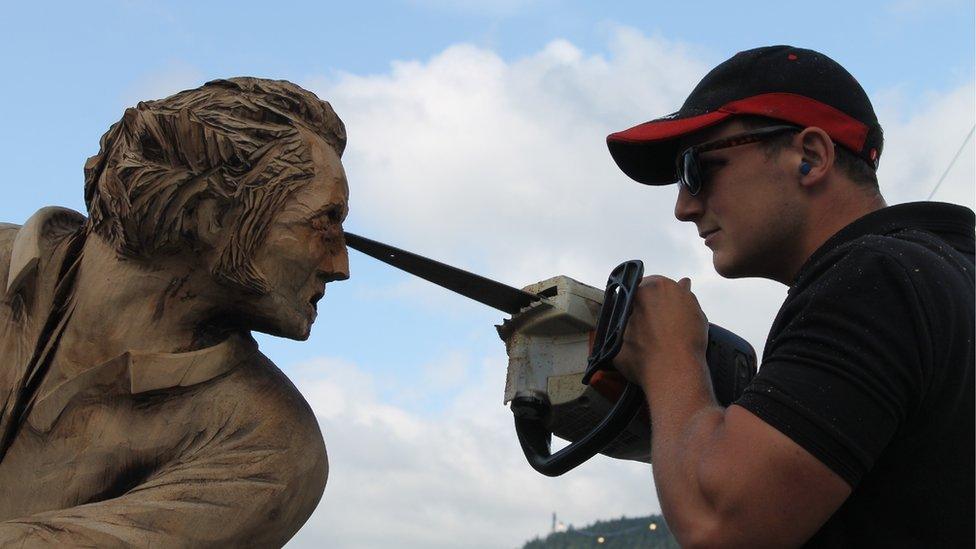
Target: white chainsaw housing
[[548, 343]]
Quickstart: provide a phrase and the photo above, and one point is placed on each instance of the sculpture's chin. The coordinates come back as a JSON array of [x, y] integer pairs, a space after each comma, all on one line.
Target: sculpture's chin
[[297, 332], [291, 326]]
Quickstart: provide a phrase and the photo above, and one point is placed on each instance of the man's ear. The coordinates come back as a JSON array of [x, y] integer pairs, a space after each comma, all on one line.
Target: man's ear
[[818, 156]]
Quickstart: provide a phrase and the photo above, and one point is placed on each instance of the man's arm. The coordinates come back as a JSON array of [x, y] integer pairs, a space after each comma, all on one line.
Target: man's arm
[[724, 477]]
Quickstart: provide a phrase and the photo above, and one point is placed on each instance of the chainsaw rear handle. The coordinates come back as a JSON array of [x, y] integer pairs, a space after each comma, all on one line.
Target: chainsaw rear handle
[[731, 365]]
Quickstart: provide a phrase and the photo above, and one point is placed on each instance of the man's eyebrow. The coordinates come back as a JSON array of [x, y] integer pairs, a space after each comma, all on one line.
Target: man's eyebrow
[[709, 158]]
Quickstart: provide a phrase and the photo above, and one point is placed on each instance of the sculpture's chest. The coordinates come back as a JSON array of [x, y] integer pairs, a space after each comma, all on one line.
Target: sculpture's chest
[[97, 448]]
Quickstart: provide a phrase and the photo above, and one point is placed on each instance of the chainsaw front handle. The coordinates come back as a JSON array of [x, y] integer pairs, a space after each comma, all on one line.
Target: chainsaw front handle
[[531, 420]]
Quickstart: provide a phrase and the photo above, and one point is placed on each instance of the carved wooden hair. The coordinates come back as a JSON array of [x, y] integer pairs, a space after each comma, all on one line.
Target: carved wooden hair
[[235, 141]]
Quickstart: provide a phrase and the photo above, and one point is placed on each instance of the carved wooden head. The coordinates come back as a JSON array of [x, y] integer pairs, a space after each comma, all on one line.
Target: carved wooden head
[[228, 154]]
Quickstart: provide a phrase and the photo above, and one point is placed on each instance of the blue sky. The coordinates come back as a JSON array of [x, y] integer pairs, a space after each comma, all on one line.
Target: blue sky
[[475, 136]]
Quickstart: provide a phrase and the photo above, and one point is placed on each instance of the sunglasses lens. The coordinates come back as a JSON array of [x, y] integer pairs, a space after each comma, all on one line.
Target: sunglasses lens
[[690, 177]]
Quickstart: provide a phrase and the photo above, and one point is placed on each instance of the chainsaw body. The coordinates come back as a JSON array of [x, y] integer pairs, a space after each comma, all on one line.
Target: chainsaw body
[[550, 345]]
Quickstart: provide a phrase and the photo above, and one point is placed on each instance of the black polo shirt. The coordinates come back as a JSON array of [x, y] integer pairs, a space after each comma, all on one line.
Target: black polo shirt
[[869, 367]]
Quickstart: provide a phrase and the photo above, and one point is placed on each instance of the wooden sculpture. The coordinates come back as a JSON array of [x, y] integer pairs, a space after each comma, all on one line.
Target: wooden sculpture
[[135, 408]]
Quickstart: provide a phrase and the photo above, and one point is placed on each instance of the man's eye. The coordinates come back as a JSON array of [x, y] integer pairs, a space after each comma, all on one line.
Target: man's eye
[[711, 166]]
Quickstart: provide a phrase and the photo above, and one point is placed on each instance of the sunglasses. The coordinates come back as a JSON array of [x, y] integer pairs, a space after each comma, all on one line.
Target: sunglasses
[[687, 165]]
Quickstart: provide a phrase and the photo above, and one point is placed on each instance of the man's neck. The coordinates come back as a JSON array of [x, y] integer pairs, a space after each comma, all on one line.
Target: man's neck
[[831, 214]]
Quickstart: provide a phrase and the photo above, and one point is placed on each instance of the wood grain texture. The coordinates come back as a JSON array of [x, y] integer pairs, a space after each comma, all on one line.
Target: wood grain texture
[[135, 408]]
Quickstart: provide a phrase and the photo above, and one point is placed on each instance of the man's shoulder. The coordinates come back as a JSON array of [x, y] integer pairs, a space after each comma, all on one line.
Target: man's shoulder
[[909, 285], [906, 245], [875, 278], [911, 254]]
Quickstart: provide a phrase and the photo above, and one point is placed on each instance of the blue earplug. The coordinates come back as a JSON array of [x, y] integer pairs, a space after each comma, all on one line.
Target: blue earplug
[[805, 168]]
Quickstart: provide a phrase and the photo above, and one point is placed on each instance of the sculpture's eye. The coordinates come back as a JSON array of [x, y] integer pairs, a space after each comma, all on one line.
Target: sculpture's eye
[[328, 220], [335, 215], [319, 223]]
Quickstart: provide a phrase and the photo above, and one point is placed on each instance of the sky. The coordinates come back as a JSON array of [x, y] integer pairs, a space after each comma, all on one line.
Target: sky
[[476, 137]]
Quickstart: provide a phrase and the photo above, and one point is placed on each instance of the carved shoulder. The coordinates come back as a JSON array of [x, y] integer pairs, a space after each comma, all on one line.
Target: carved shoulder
[[35, 241], [287, 417], [257, 420], [8, 232]]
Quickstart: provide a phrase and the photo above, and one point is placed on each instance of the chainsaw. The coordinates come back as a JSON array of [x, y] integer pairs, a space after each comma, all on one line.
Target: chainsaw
[[561, 339]]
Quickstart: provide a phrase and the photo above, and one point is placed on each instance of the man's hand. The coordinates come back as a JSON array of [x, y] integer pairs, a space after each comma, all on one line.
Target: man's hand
[[724, 477], [666, 324]]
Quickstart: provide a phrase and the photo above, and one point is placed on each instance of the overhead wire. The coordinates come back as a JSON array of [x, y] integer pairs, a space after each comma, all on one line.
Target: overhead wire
[[953, 162]]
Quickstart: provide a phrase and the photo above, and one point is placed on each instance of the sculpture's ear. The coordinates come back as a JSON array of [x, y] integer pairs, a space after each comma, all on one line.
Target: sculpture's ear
[[206, 224]]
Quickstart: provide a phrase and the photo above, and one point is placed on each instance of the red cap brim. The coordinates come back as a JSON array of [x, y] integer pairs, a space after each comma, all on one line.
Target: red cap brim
[[647, 151]]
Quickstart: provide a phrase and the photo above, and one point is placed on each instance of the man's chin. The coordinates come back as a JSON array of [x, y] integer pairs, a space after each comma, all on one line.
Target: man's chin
[[726, 268]]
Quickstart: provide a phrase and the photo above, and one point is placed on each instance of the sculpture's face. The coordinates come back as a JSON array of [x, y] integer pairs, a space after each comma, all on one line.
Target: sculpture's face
[[304, 249]]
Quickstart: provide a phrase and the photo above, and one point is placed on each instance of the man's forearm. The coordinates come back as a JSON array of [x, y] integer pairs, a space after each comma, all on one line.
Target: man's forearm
[[686, 421], [724, 476]]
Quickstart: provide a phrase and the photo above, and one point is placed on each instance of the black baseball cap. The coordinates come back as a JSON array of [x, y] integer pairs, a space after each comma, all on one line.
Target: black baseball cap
[[796, 85]]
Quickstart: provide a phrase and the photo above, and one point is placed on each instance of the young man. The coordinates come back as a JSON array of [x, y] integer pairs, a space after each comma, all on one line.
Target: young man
[[859, 428]]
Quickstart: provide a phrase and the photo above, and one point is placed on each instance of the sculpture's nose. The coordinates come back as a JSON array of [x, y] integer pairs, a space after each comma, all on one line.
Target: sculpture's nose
[[335, 265]]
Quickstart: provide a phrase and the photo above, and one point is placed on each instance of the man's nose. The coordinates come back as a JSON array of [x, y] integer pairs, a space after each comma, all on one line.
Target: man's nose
[[687, 207], [335, 265]]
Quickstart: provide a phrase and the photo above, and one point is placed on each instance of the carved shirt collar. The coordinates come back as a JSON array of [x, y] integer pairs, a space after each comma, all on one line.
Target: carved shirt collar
[[135, 372], [132, 372]]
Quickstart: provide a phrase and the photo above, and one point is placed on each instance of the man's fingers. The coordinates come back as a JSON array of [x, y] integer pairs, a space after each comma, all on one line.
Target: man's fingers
[[655, 280], [658, 281]]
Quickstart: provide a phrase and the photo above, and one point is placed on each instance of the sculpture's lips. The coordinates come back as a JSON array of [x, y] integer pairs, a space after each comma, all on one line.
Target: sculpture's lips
[[315, 298], [313, 310]]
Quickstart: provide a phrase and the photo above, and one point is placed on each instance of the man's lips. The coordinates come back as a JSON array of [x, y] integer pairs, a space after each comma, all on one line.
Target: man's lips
[[709, 236]]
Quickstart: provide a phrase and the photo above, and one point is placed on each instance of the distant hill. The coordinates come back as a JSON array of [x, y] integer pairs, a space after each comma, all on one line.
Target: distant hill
[[623, 533]]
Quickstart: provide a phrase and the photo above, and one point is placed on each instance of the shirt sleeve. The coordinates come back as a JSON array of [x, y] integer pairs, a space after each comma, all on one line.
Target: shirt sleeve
[[844, 366]]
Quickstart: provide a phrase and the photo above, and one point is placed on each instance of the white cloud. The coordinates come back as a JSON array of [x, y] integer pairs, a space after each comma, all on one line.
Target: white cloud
[[500, 167], [456, 479], [919, 149]]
